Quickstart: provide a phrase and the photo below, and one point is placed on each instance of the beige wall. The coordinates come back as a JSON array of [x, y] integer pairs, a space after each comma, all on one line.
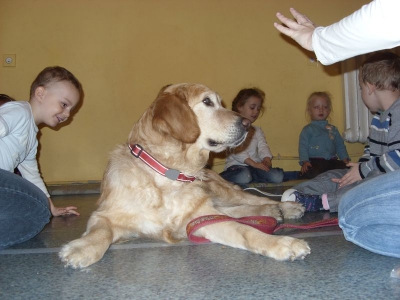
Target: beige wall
[[124, 51]]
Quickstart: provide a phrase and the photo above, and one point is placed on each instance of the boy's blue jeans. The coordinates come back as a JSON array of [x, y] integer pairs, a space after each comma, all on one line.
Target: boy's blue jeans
[[369, 214], [243, 175], [24, 209]]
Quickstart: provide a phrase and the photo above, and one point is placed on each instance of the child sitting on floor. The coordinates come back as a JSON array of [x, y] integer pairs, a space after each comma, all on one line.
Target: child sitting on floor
[[320, 143], [251, 161], [25, 201]]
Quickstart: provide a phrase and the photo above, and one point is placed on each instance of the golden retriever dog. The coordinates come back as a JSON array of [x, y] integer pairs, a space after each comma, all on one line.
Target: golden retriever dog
[[179, 130]]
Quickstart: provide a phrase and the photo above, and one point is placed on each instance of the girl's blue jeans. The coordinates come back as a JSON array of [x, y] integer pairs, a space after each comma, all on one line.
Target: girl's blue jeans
[[242, 175], [369, 214], [24, 209]]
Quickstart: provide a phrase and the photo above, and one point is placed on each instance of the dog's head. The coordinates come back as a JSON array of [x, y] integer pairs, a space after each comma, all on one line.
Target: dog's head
[[192, 113]]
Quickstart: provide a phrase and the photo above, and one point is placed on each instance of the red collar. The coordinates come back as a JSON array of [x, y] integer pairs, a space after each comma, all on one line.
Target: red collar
[[138, 152]]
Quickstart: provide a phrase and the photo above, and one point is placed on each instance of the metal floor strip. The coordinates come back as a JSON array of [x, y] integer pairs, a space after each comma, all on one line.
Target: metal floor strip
[[154, 245]]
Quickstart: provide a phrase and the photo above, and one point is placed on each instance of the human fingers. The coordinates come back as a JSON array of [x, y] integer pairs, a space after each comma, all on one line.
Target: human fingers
[[56, 212], [293, 26], [266, 168], [340, 181], [300, 18], [64, 211], [300, 30], [290, 27], [71, 210], [267, 164], [302, 35], [70, 207], [346, 180], [303, 169], [262, 166]]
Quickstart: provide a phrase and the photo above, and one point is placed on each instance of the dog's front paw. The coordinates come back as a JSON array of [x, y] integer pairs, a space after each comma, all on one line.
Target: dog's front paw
[[288, 248], [291, 210], [271, 210], [79, 254]]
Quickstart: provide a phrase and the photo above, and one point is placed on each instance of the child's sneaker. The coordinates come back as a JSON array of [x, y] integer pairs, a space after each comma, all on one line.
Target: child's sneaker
[[310, 202]]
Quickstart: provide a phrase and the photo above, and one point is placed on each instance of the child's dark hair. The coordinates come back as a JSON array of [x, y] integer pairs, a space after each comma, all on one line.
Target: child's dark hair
[[245, 94], [54, 74], [382, 70], [5, 98]]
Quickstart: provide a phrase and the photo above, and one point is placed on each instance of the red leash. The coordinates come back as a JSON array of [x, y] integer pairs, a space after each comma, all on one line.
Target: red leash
[[268, 225]]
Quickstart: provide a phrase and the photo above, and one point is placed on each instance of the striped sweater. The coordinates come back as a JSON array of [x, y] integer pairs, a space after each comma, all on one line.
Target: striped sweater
[[383, 150]]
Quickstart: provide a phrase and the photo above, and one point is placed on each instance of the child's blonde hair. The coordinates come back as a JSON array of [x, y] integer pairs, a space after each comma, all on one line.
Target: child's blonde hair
[[382, 70], [325, 95], [244, 94]]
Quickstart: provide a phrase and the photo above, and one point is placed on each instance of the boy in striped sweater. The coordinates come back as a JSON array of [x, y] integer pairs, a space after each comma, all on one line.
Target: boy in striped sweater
[[379, 79]]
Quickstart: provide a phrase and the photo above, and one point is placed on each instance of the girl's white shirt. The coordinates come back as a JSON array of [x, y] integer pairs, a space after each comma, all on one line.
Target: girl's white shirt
[[256, 148]]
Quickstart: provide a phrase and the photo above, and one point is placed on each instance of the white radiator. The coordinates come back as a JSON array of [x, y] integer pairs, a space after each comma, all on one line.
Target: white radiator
[[358, 116]]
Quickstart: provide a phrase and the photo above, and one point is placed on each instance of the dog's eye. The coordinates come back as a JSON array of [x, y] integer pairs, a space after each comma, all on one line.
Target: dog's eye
[[208, 102]]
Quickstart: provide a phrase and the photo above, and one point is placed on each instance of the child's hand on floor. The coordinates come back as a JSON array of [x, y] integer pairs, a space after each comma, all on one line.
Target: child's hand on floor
[[62, 211]]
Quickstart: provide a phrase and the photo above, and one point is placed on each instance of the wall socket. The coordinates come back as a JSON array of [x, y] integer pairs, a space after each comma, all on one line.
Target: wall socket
[[9, 60]]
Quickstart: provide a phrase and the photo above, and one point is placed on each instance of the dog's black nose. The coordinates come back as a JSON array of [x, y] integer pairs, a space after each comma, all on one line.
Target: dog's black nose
[[246, 123]]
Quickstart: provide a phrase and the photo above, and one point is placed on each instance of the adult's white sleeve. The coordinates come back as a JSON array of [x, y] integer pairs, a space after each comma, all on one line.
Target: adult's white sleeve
[[373, 27]]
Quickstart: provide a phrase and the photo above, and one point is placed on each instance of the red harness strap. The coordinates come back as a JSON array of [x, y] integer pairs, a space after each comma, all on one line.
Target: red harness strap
[[138, 152], [265, 224]]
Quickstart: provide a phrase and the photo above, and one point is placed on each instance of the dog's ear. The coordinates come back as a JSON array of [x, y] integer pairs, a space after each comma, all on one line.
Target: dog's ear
[[174, 117], [163, 89]]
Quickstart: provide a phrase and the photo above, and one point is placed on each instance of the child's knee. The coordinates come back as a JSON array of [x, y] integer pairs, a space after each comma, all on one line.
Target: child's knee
[[244, 177], [277, 175]]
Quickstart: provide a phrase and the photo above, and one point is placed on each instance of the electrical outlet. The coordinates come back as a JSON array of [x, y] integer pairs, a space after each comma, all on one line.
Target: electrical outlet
[[9, 60]]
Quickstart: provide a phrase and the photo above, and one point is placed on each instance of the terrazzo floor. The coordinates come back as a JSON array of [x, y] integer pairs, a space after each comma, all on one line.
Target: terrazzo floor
[[149, 269]]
